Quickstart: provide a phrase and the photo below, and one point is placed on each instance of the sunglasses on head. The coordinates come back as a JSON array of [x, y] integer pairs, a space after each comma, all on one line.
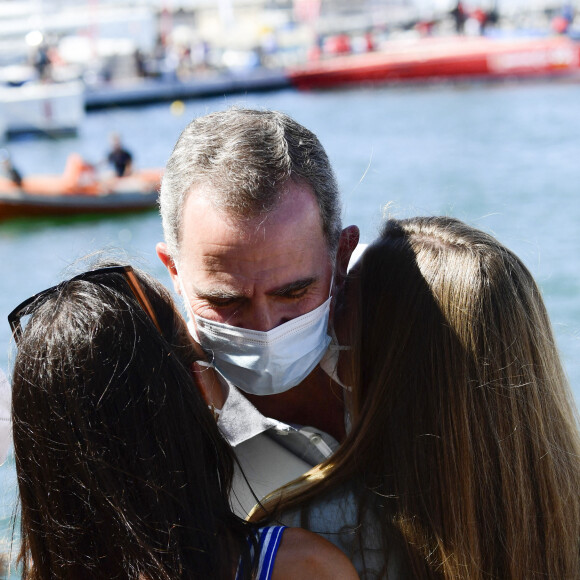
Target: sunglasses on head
[[30, 304]]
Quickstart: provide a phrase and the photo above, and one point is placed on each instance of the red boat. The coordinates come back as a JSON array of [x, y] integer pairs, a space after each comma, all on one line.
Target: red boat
[[78, 191], [431, 59]]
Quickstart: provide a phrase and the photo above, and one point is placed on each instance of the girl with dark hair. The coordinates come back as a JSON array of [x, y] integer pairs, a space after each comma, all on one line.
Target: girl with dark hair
[[122, 472], [463, 458]]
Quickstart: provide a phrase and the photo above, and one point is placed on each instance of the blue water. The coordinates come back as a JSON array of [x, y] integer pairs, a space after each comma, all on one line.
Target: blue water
[[505, 158]]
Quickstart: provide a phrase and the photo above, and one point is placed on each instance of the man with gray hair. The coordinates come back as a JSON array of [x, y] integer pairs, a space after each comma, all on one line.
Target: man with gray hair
[[254, 245]]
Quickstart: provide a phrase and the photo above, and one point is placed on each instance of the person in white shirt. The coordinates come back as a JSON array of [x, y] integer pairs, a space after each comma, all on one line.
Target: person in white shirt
[[255, 246]]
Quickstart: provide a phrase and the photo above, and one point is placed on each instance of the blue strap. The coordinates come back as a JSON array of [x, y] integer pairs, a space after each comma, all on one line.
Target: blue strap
[[270, 538]]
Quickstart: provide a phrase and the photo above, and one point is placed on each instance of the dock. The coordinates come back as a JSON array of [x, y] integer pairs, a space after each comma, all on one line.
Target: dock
[[145, 91]]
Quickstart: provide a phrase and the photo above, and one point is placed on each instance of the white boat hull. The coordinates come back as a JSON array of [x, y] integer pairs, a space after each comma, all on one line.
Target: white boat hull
[[42, 108]]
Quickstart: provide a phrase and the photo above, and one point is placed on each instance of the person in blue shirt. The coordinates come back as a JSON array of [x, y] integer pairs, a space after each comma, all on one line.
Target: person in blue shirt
[[119, 157]]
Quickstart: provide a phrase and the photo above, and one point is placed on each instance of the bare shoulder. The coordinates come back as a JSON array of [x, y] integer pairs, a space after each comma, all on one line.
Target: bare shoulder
[[303, 555]]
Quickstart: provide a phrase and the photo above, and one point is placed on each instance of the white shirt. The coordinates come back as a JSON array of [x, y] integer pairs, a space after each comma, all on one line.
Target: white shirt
[[271, 453]]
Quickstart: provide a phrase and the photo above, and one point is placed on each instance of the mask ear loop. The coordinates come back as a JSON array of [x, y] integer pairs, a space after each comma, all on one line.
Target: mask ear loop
[[185, 299], [329, 362], [330, 359], [192, 328], [204, 389], [331, 284]]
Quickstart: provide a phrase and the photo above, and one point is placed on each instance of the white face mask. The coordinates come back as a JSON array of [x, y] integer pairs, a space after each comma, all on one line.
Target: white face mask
[[264, 363]]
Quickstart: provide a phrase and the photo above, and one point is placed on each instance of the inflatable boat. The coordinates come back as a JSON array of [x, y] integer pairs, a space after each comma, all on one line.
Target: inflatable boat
[[78, 190]]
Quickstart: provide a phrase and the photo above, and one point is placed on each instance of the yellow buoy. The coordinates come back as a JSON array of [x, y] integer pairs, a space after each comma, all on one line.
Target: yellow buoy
[[177, 108]]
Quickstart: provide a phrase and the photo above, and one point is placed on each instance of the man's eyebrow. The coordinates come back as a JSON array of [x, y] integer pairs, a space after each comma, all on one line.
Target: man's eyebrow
[[216, 293], [293, 286]]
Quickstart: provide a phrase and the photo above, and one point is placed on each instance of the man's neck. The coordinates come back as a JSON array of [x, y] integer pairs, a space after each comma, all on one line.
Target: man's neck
[[316, 402]]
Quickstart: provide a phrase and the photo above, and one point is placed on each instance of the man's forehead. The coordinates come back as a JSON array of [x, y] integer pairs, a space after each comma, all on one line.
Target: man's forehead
[[297, 218], [255, 253], [249, 215]]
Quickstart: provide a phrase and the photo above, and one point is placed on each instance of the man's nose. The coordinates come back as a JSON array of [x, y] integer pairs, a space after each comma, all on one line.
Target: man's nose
[[261, 320], [263, 317]]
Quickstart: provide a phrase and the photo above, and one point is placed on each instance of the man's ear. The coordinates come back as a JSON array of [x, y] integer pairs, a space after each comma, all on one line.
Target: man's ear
[[169, 263], [348, 242]]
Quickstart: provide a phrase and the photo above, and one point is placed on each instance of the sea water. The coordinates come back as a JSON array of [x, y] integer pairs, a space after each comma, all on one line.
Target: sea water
[[503, 157]]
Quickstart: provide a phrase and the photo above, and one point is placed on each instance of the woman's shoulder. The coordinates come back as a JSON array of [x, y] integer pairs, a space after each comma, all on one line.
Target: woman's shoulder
[[345, 516], [327, 514], [304, 555]]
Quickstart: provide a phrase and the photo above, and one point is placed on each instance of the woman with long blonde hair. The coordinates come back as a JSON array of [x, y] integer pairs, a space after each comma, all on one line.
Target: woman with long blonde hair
[[464, 456]]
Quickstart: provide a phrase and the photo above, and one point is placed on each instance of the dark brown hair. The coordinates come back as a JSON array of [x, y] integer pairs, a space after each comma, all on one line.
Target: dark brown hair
[[465, 443], [122, 472]]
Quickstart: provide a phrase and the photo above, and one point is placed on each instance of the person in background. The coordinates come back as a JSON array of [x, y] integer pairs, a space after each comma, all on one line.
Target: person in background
[[42, 62], [9, 169], [122, 472], [119, 157], [460, 15], [462, 461], [255, 246]]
